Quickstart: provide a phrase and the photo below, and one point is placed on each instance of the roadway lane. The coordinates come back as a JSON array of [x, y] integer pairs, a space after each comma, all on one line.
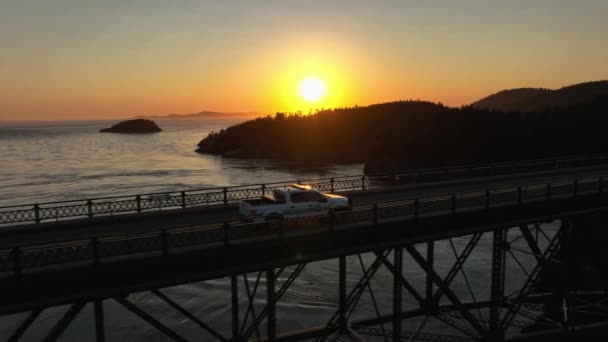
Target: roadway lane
[[140, 223]]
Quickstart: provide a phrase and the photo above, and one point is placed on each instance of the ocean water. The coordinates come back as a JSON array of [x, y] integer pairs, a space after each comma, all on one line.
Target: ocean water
[[51, 161], [41, 162]]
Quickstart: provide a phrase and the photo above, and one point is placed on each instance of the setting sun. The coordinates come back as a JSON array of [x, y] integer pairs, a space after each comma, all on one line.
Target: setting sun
[[312, 89]]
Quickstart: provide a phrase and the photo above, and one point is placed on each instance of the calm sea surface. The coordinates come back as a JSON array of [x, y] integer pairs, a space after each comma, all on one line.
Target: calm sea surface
[[42, 162]]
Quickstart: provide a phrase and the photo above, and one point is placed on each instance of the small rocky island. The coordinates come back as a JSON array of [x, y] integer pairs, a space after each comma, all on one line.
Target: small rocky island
[[135, 126]]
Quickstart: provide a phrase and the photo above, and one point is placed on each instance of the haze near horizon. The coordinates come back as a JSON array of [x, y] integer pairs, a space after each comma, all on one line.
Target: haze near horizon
[[114, 59]]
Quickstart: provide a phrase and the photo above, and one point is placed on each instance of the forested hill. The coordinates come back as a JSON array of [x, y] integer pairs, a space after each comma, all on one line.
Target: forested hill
[[538, 99], [408, 134]]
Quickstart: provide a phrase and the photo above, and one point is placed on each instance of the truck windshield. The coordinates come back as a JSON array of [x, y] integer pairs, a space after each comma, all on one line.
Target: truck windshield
[[279, 196]]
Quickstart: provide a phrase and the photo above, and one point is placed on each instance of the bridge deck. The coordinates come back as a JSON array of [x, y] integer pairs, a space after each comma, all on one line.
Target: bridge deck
[[67, 285], [151, 221]]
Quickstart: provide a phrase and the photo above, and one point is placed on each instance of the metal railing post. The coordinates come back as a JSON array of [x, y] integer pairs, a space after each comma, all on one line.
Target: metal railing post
[[90, 208], [164, 241], [138, 200], [95, 245], [362, 182], [225, 195], [226, 227], [281, 228], [331, 184], [17, 261], [375, 213], [36, 213], [487, 199], [263, 189], [183, 199], [519, 202]]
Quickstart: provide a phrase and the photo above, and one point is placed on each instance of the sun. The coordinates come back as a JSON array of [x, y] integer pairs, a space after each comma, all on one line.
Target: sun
[[312, 89]]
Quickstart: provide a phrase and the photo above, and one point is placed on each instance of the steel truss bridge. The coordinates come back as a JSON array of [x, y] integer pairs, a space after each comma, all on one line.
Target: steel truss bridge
[[511, 272]]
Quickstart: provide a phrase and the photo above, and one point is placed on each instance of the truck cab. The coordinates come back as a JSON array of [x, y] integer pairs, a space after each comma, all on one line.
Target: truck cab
[[293, 201]]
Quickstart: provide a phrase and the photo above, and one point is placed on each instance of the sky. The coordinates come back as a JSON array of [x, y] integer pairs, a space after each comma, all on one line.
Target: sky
[[82, 59]]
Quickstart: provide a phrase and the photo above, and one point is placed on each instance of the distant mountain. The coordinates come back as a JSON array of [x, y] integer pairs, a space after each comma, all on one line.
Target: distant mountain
[[538, 99], [203, 114]]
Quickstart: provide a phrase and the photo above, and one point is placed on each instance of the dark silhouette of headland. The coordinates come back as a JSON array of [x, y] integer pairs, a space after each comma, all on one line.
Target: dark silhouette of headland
[[413, 134], [135, 126]]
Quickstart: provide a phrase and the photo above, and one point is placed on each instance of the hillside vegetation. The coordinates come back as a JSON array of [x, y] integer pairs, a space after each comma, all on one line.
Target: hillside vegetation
[[410, 134], [538, 99]]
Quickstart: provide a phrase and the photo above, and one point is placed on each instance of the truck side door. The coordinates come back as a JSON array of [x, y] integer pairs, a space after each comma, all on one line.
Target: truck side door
[[299, 202], [308, 202]]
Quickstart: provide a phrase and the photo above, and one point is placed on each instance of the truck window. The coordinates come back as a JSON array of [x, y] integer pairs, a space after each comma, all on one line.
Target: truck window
[[317, 197], [306, 196], [279, 196], [299, 197]]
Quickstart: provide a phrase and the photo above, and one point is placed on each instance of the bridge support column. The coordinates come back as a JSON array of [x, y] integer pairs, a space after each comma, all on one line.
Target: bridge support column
[[343, 324], [430, 257], [235, 308], [566, 283], [498, 284], [271, 303], [397, 292], [99, 322]]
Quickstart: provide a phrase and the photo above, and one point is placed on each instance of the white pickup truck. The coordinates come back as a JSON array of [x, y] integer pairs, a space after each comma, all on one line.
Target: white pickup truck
[[293, 201]]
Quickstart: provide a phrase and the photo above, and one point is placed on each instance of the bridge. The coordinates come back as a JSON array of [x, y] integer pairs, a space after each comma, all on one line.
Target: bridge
[[520, 228]]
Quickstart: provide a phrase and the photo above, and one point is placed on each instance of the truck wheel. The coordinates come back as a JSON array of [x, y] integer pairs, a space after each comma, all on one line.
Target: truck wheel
[[273, 217]]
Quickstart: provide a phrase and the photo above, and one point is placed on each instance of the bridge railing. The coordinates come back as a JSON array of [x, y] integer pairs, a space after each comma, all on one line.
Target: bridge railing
[[96, 250], [117, 205]]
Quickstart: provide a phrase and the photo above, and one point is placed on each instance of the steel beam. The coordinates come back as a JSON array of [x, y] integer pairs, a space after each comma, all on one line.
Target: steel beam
[[271, 321], [235, 307], [447, 291], [353, 297], [532, 243], [151, 320], [64, 322], [342, 307], [24, 326], [99, 321], [411, 289], [528, 285], [250, 306], [258, 320], [455, 269], [397, 292], [498, 283], [188, 314], [430, 259]]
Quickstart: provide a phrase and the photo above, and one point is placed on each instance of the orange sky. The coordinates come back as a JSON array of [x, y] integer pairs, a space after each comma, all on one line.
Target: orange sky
[[113, 59]]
